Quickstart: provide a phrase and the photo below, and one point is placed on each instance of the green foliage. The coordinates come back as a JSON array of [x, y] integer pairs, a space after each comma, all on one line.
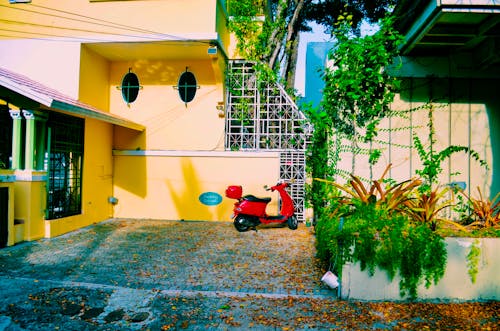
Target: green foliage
[[247, 29], [484, 213], [357, 94], [358, 90], [371, 225], [377, 238], [473, 260], [394, 197], [426, 208], [432, 160], [423, 256]]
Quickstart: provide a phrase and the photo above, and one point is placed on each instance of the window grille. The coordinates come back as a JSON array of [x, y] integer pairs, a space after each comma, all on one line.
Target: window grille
[[5, 137], [65, 166]]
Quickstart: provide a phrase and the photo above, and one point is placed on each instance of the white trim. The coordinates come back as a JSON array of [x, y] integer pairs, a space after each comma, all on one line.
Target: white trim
[[30, 176], [176, 153]]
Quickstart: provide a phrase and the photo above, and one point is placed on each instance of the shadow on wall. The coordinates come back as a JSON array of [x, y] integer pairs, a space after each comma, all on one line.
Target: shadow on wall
[[185, 194], [493, 109], [130, 173]]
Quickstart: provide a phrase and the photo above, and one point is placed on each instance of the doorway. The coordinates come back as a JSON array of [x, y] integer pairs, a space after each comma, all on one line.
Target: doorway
[[4, 216]]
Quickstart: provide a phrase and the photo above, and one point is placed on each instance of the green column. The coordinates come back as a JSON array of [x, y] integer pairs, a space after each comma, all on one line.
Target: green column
[[34, 152], [16, 138], [29, 147]]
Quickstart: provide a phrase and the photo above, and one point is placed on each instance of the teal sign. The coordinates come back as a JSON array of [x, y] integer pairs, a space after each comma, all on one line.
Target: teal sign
[[210, 198]]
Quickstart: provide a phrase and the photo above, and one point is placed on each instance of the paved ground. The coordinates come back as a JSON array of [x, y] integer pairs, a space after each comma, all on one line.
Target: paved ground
[[161, 275]]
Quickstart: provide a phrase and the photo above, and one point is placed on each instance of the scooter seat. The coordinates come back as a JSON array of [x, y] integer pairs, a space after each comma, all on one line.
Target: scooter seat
[[253, 198]]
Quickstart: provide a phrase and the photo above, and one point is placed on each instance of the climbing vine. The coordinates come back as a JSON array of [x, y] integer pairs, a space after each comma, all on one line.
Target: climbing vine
[[358, 88], [432, 159]]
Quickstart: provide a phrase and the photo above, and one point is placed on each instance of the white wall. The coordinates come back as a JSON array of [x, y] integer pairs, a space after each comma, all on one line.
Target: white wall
[[455, 284]]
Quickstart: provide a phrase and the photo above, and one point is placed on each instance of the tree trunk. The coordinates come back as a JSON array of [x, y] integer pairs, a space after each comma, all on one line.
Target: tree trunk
[[288, 37], [289, 73]]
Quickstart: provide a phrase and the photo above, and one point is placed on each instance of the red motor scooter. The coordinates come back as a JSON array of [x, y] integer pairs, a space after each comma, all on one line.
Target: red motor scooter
[[250, 211]]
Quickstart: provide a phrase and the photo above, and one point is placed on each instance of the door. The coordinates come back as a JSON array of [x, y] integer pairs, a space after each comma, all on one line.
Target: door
[[4, 216]]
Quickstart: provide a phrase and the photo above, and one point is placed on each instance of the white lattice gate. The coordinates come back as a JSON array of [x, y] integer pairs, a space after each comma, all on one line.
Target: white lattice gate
[[262, 116]]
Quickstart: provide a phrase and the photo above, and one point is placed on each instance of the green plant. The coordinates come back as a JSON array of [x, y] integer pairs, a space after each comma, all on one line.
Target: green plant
[[473, 260], [370, 225], [376, 238], [358, 90], [485, 213], [391, 197], [423, 257], [432, 159], [427, 208]]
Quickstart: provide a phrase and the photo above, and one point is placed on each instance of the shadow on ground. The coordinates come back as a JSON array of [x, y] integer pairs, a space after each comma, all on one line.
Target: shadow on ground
[[160, 275]]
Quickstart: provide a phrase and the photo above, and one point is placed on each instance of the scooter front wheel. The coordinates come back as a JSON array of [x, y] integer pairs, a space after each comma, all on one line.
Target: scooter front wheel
[[292, 222], [240, 224]]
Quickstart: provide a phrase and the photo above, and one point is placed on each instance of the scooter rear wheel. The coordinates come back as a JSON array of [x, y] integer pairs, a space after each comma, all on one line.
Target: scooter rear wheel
[[239, 224], [292, 222]]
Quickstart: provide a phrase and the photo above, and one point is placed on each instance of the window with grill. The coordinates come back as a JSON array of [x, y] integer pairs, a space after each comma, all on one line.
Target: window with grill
[[5, 137], [65, 166]]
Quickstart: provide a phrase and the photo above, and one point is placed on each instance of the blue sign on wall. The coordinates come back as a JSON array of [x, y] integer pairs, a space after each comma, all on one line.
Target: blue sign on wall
[[210, 198]]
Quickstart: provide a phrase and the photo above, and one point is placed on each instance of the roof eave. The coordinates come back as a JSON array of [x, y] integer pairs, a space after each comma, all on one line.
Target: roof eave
[[102, 116]]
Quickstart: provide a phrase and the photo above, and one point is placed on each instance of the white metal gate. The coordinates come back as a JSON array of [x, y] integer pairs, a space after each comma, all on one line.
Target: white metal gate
[[262, 116]]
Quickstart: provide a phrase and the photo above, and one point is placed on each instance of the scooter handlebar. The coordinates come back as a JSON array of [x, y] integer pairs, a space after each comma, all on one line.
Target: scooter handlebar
[[272, 188]]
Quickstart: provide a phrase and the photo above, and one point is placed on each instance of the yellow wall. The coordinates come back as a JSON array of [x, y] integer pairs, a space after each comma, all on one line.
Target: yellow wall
[[170, 124], [97, 185], [168, 185], [52, 63], [94, 79], [188, 139], [173, 17], [29, 196]]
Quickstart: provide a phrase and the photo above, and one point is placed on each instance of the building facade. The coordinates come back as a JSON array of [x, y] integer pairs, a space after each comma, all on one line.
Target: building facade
[[449, 67], [118, 109]]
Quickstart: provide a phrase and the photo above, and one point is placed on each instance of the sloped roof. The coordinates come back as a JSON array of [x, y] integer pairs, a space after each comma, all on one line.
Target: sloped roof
[[36, 93]]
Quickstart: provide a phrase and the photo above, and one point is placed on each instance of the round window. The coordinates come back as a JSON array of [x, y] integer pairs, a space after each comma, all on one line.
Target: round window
[[130, 87], [187, 86]]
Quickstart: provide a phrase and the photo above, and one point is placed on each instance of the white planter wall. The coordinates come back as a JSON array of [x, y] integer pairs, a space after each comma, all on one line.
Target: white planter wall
[[455, 285]]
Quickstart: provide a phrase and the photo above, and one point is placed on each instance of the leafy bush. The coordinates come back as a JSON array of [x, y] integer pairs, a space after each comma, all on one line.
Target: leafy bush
[[375, 237], [372, 226]]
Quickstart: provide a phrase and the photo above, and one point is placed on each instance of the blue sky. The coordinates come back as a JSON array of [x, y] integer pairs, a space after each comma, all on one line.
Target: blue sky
[[316, 35]]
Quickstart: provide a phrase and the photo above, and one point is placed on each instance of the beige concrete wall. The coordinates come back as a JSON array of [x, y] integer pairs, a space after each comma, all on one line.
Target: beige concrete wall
[[461, 117], [455, 285]]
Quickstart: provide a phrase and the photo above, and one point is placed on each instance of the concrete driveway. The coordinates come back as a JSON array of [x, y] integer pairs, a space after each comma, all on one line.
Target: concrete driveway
[[168, 275], [118, 268]]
